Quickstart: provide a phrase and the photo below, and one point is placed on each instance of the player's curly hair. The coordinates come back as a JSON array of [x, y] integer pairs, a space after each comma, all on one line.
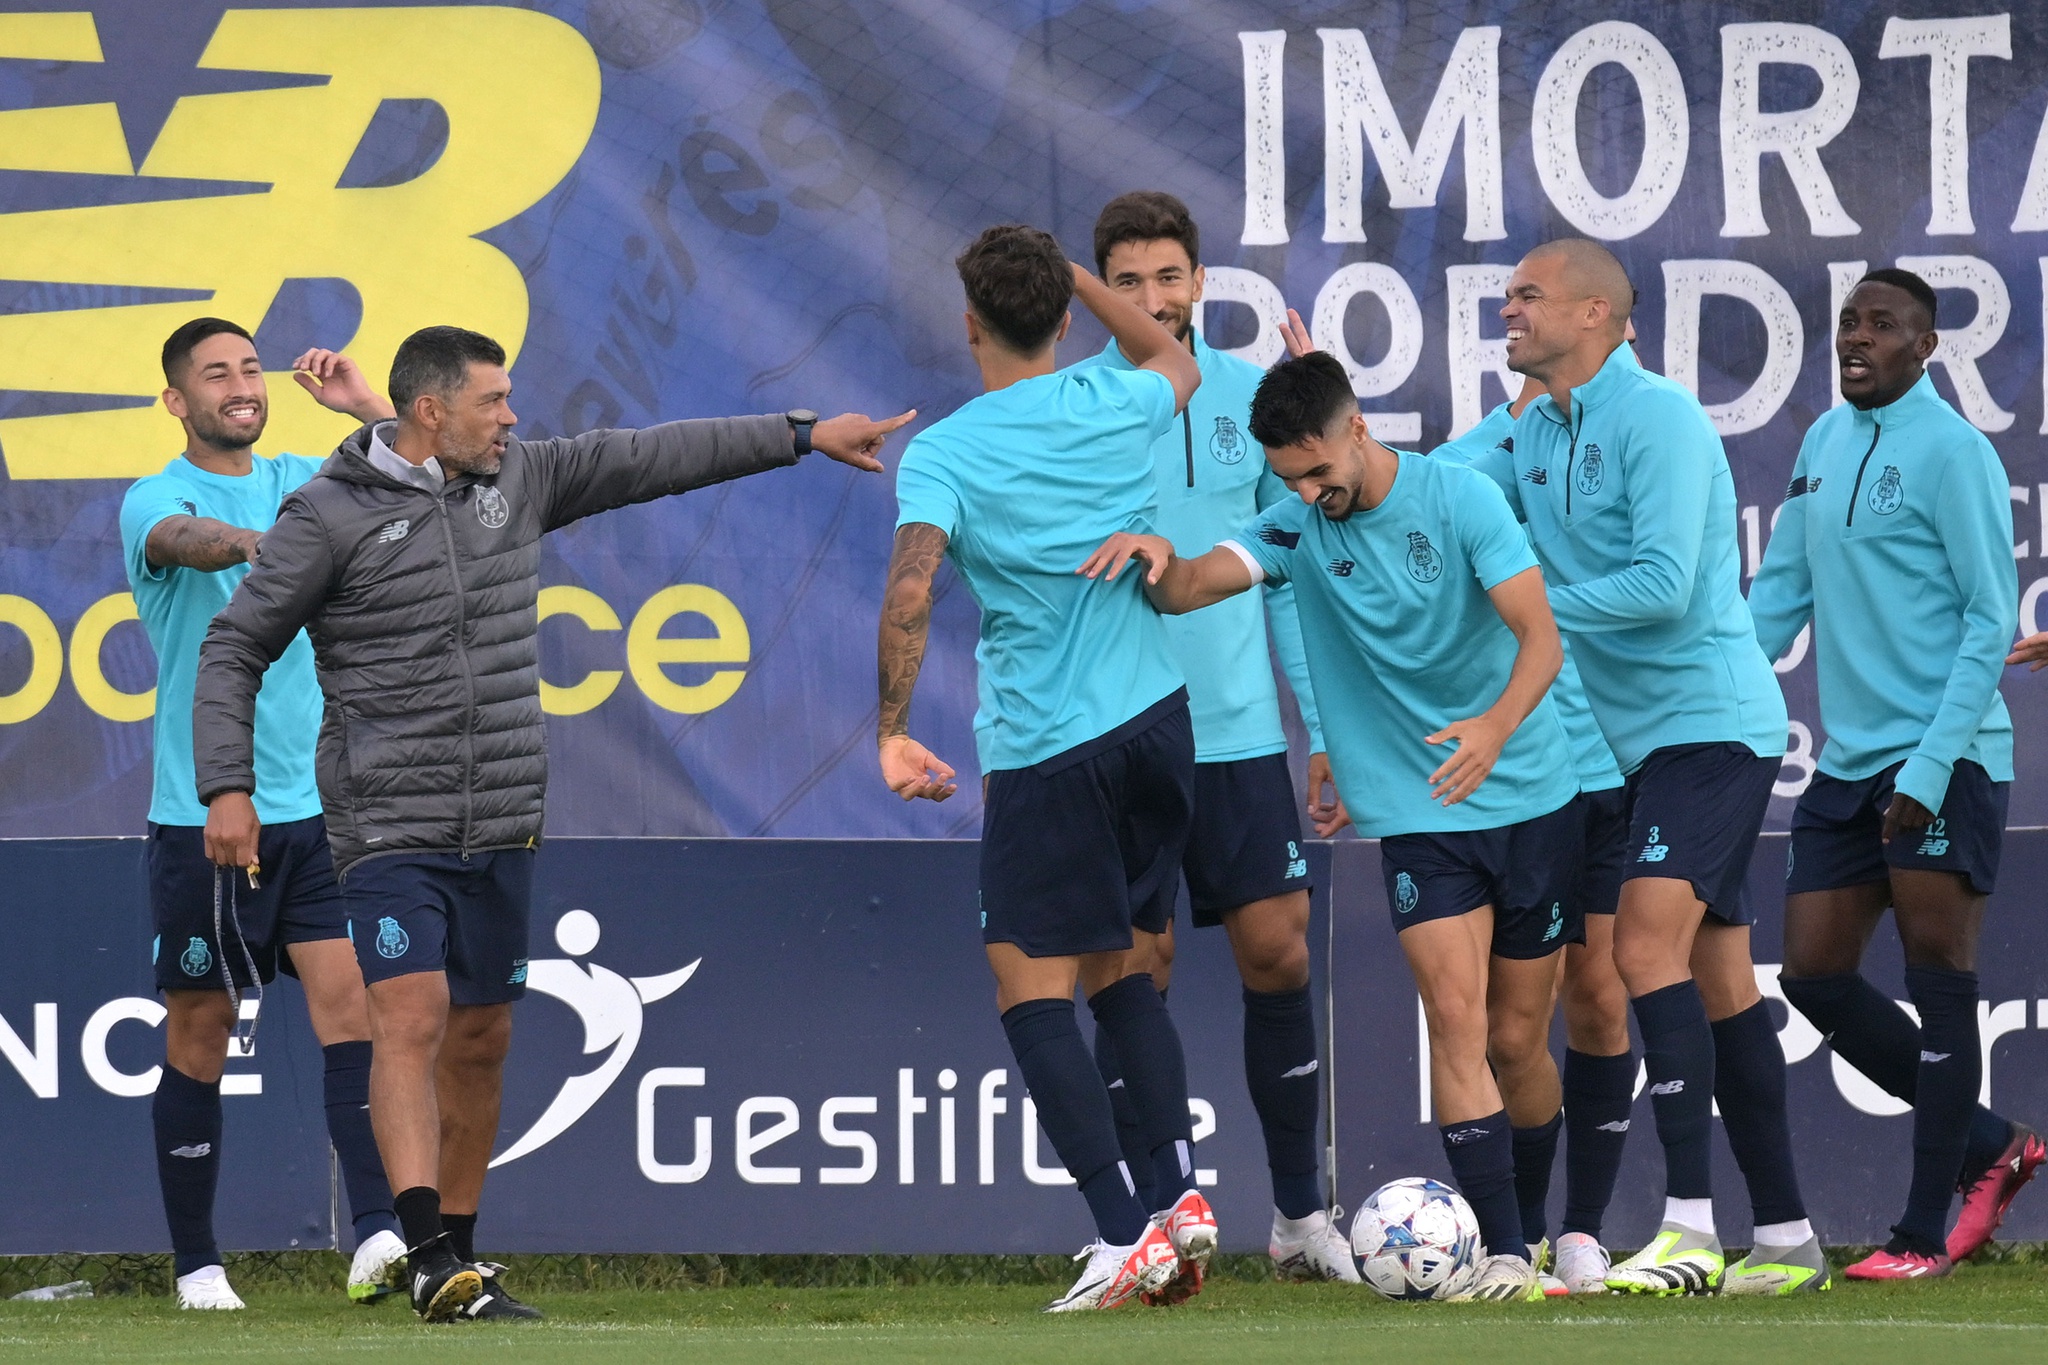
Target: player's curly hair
[[1145, 216], [1300, 398], [1018, 283]]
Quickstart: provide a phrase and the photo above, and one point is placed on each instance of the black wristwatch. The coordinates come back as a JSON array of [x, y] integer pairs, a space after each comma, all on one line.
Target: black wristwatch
[[801, 420]]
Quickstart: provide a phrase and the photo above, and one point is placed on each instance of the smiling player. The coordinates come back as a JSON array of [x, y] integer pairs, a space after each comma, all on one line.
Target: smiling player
[[188, 535], [1432, 651]]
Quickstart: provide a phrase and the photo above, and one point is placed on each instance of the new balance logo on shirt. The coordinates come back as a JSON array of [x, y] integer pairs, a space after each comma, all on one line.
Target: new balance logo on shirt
[[394, 530], [1800, 487], [1342, 568], [1536, 476]]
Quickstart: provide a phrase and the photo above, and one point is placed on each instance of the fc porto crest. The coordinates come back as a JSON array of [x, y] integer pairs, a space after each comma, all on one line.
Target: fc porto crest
[[1405, 897], [491, 508], [1227, 443], [1888, 494], [1424, 563], [392, 940], [196, 959], [1592, 470]]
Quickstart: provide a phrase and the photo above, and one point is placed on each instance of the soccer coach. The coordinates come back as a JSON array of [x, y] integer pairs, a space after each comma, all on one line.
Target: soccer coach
[[412, 560]]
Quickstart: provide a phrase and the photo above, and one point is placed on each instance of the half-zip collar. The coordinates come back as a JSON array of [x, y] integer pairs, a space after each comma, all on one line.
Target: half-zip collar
[[1614, 372]]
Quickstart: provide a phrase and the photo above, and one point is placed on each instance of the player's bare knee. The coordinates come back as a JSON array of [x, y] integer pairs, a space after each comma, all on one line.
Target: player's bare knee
[[479, 1035], [196, 1029]]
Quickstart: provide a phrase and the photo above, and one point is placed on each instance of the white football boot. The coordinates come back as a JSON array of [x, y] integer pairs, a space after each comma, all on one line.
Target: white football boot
[[207, 1287], [378, 1268], [1311, 1248], [1583, 1264], [1113, 1275], [1502, 1279], [1539, 1256]]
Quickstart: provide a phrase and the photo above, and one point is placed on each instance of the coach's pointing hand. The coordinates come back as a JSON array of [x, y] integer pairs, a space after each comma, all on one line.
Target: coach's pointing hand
[[231, 830], [851, 438], [911, 770]]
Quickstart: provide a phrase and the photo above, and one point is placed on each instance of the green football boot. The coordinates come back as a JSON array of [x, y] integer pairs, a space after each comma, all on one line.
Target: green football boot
[[1780, 1270], [1677, 1261]]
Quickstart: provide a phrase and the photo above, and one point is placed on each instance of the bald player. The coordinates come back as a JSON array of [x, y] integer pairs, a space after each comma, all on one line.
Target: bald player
[[1627, 495]]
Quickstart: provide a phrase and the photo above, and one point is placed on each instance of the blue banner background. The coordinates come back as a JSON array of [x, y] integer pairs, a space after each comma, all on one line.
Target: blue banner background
[[764, 214], [827, 969]]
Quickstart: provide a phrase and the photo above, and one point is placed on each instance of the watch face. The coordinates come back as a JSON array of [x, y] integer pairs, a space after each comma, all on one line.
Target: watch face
[[801, 415]]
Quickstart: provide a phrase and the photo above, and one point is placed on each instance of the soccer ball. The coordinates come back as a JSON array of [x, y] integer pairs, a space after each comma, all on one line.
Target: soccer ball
[[1415, 1239]]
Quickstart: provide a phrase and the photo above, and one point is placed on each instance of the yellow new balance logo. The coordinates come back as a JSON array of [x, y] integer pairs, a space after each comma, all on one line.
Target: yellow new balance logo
[[520, 91]]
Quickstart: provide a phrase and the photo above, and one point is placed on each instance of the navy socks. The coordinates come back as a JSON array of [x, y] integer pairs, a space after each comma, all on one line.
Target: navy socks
[[1869, 1031], [1678, 1048], [347, 1082], [1749, 1081], [1155, 1077], [1281, 1070], [419, 1218], [461, 1234], [1482, 1157], [1073, 1108], [186, 1116], [1950, 1071], [1535, 1151], [1129, 1135], [1599, 1092]]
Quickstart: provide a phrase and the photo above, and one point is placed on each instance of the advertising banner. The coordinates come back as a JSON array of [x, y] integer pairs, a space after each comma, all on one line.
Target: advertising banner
[[670, 208], [792, 1046]]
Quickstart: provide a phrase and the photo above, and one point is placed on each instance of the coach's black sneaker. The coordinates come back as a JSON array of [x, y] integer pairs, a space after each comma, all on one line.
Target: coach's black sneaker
[[495, 1303], [441, 1285]]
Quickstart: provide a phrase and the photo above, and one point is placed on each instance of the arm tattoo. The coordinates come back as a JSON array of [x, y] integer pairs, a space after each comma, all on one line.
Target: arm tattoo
[[906, 617], [199, 543]]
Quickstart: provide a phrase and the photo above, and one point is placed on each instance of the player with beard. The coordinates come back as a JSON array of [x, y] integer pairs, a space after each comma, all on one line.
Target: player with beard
[[1629, 501], [1244, 868], [1895, 543], [412, 561], [1432, 652], [189, 535]]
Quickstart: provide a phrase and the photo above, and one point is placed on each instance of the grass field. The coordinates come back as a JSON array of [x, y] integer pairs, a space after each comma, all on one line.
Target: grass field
[[1985, 1313]]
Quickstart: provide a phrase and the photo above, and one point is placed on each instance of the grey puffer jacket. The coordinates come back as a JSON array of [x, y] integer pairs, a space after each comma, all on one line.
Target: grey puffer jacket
[[421, 607]]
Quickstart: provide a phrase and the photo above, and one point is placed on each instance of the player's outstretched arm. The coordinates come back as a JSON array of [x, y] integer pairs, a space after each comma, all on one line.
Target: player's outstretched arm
[[910, 769], [1139, 336], [200, 543], [1523, 607], [339, 385], [1173, 584]]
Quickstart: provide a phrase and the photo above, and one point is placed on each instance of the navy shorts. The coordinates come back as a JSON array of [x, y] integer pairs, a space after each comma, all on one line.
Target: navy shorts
[[1607, 849], [442, 912], [1079, 849], [1245, 843], [1526, 872], [1694, 814], [1838, 829], [295, 901]]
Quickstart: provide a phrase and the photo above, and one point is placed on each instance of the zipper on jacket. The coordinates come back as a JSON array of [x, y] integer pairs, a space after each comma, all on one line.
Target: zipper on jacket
[[1857, 487], [468, 678], [1187, 428]]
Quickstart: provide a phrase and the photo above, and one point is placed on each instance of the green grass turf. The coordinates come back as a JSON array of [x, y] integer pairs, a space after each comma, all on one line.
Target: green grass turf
[[1983, 1314]]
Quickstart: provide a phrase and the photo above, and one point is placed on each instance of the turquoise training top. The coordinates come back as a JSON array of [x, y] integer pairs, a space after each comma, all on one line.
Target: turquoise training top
[[1027, 482], [1402, 640], [1212, 479], [1895, 540], [176, 604], [1631, 507], [1597, 769]]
